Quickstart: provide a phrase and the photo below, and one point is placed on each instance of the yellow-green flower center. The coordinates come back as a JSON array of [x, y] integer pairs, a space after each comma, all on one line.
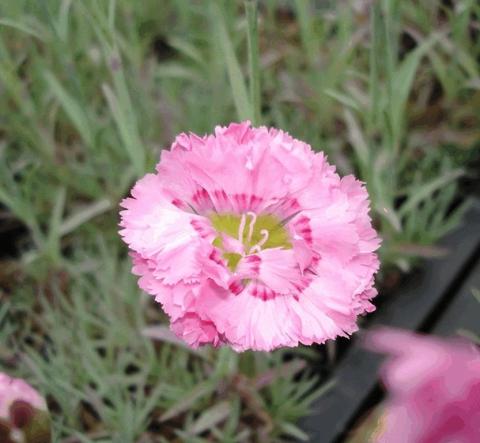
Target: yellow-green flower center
[[252, 232]]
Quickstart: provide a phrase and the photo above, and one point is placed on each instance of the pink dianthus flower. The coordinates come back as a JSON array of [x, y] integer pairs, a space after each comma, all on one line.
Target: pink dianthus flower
[[249, 238], [433, 388], [23, 412]]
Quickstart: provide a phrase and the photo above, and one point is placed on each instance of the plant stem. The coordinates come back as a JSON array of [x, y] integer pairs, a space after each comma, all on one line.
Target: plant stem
[[253, 60]]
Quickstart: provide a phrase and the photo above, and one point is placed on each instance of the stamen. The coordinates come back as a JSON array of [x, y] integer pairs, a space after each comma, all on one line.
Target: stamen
[[258, 246], [241, 228], [251, 226], [265, 234]]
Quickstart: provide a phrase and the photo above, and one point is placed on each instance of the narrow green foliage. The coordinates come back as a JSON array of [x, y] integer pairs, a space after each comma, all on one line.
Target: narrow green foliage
[[237, 81], [253, 61]]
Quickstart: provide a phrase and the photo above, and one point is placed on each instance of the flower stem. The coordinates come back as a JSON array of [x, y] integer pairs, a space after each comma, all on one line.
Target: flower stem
[[251, 9]]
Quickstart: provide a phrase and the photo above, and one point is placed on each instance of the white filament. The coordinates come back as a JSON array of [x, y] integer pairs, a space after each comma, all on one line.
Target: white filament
[[251, 225], [258, 246], [241, 228]]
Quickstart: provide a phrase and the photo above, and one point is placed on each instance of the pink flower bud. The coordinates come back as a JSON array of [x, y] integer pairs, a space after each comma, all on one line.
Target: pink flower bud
[[23, 413]]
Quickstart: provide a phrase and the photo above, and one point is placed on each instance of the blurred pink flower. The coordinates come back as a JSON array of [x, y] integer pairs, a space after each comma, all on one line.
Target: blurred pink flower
[[433, 386], [15, 389], [23, 413], [249, 238]]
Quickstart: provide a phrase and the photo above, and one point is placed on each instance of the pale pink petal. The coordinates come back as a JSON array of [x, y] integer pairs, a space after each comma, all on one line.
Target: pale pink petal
[[15, 389], [277, 268], [434, 388], [195, 331]]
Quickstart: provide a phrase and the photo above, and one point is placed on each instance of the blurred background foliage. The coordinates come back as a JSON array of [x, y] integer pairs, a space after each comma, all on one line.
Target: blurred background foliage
[[91, 91]]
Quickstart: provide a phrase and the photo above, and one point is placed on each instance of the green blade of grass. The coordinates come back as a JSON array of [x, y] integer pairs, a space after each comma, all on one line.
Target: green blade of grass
[[184, 403], [211, 417], [294, 431], [121, 110], [426, 190], [71, 107], [253, 60], [374, 55], [303, 9], [84, 215], [343, 99], [402, 82], [357, 140], [23, 28], [237, 82]]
